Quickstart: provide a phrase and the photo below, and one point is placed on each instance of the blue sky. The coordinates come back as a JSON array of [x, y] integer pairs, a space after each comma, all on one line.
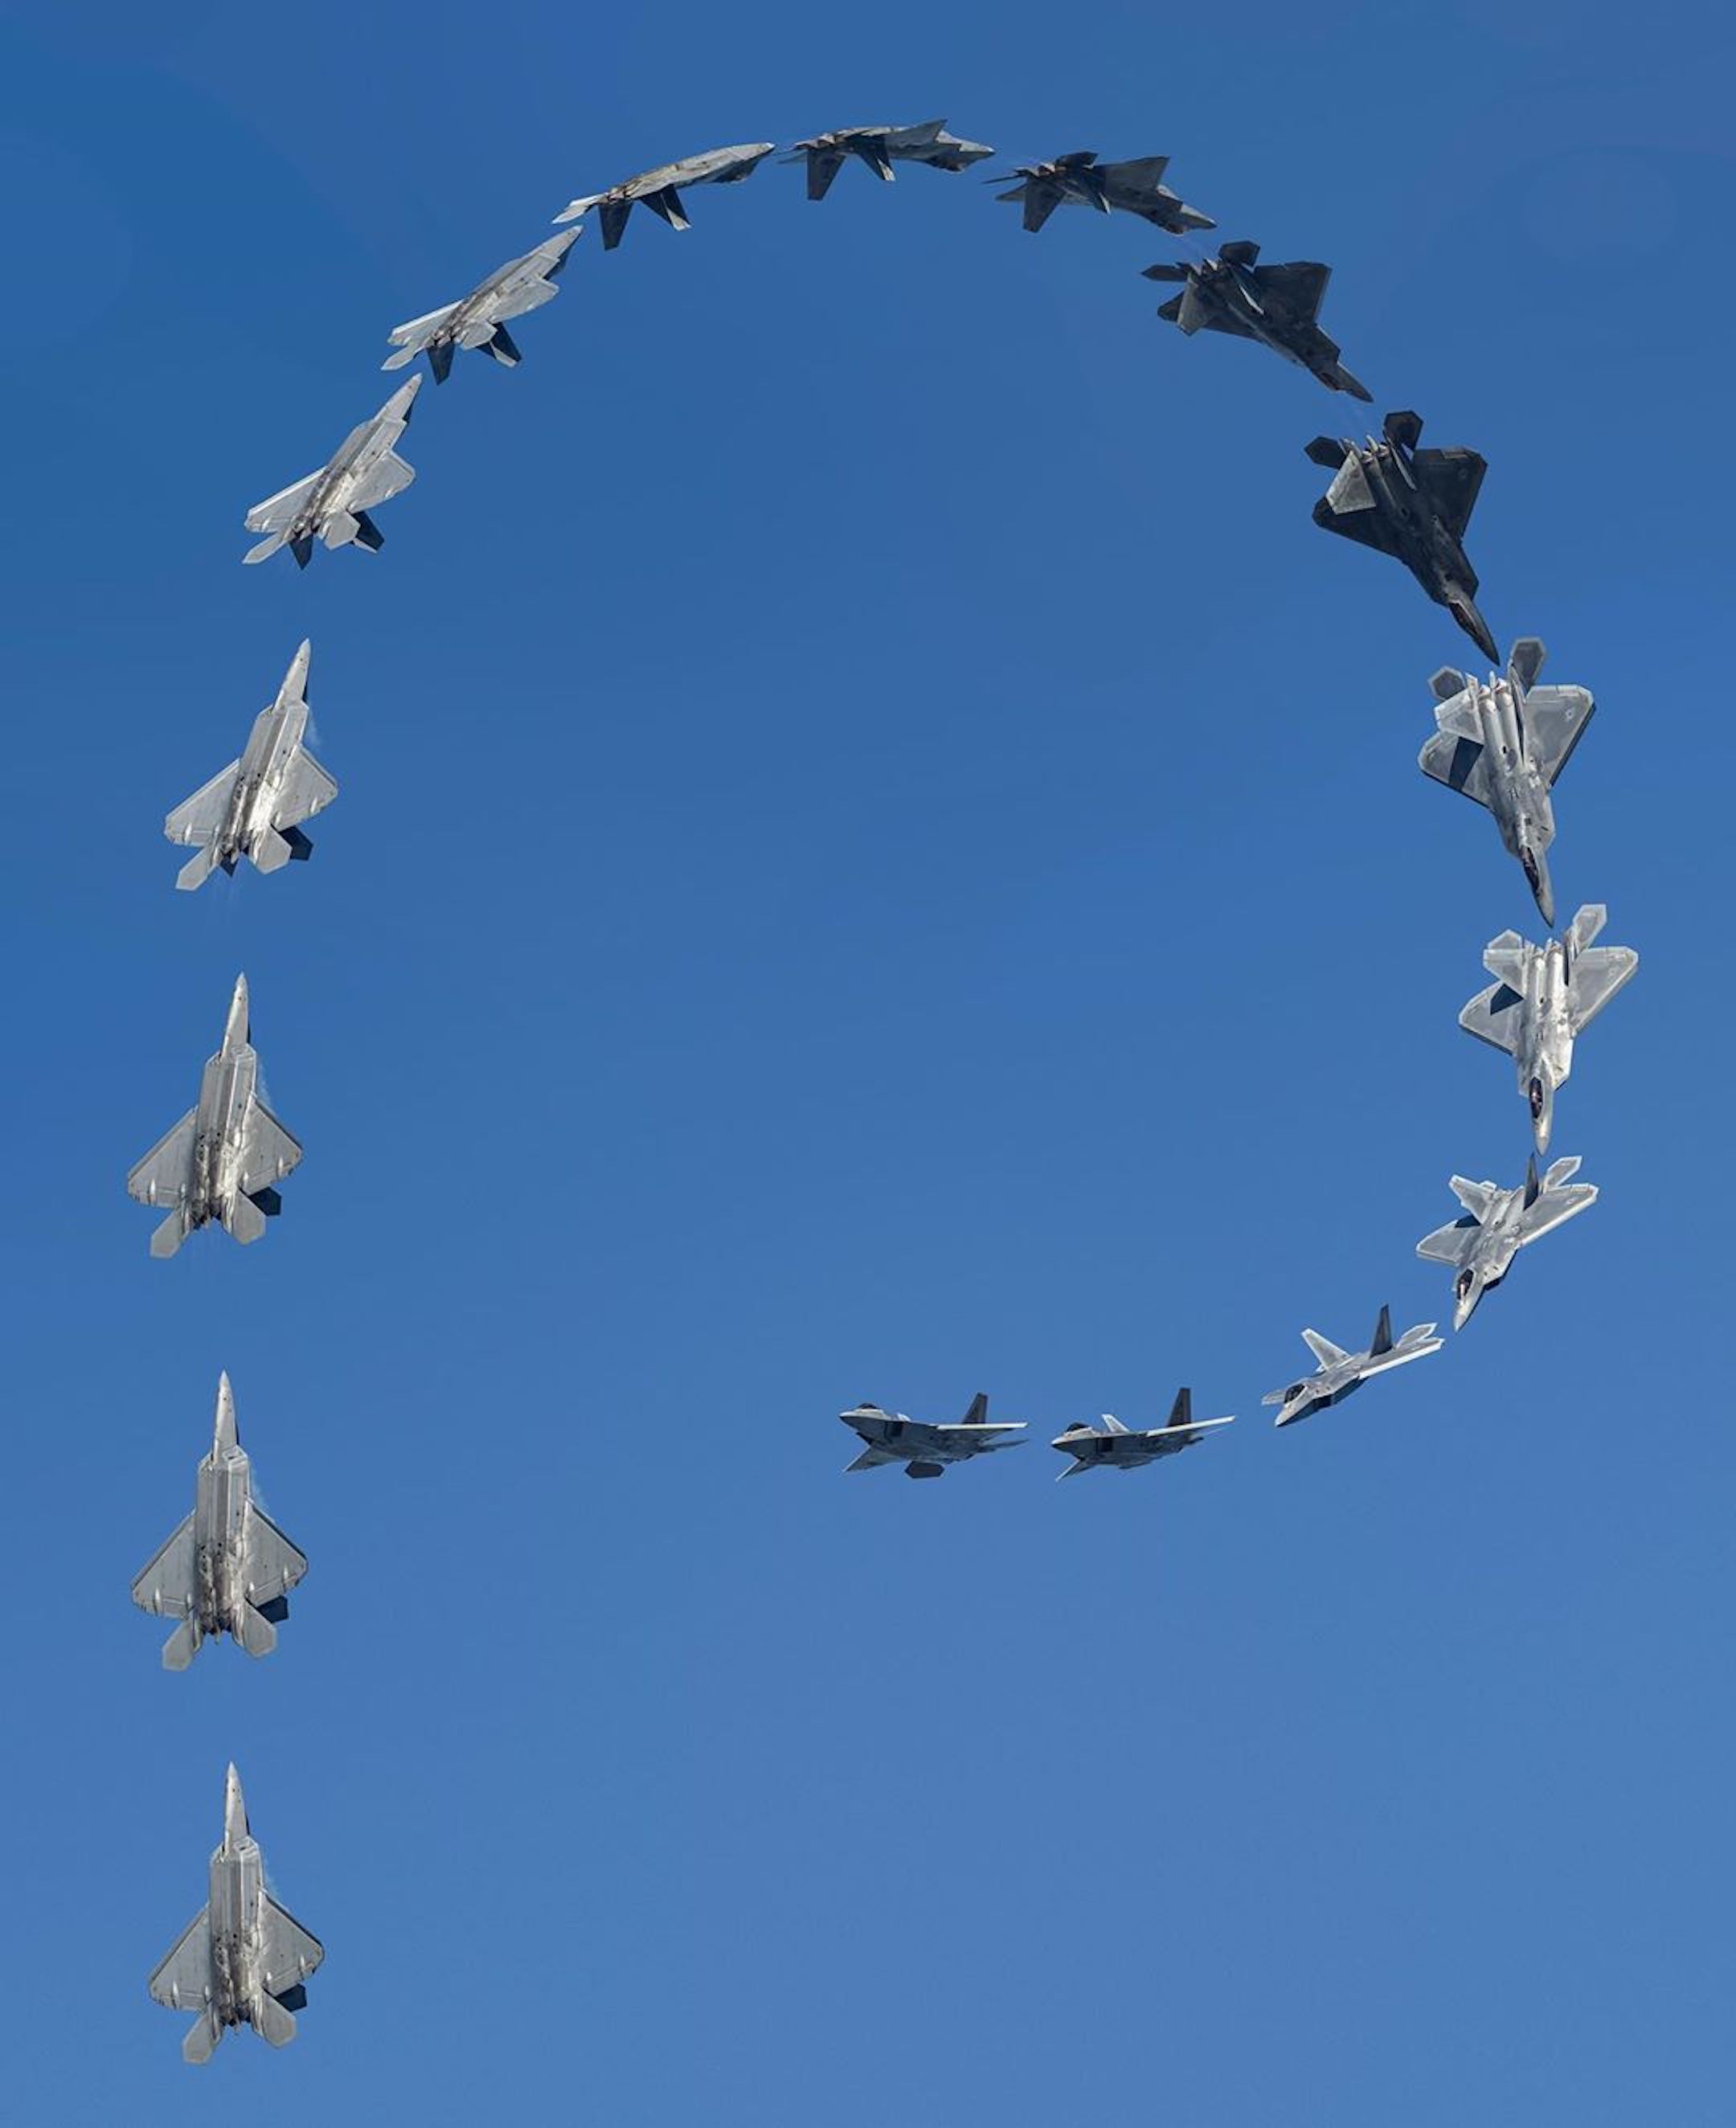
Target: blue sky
[[879, 855]]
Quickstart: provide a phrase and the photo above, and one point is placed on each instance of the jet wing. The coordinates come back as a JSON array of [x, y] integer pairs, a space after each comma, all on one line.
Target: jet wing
[[1491, 1018], [824, 164], [1139, 178], [199, 819], [274, 1564], [387, 476], [279, 512], [1324, 1350], [268, 1152], [1041, 197], [162, 1176], [530, 294], [871, 1458], [1555, 1207], [183, 1981], [1450, 1245], [1450, 479], [168, 1586], [1300, 286], [409, 340], [1458, 763], [1598, 973], [287, 1952], [306, 790], [1555, 719]]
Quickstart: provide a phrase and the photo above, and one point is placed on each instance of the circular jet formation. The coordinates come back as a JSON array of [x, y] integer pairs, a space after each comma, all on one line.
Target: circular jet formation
[[1502, 742]]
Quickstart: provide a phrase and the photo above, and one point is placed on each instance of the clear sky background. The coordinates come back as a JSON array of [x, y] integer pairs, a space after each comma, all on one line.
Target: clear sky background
[[879, 856]]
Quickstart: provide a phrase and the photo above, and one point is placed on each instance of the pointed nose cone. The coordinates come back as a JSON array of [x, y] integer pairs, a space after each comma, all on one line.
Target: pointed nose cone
[[294, 688], [1542, 893], [398, 405], [235, 1810], [234, 1029], [1543, 1111], [1465, 1298], [225, 1438]]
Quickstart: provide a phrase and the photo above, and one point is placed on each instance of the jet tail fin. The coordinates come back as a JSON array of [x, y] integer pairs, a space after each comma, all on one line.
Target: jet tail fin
[[503, 348], [977, 1415], [255, 1632], [1381, 1341]]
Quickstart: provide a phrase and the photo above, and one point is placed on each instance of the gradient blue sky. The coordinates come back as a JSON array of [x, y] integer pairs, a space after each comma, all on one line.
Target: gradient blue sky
[[879, 856]]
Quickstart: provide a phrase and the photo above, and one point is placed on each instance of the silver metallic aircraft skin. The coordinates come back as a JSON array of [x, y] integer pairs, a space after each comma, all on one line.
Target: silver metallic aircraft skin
[[1341, 1372], [1277, 305], [661, 189], [925, 1451], [242, 1960], [253, 808], [1114, 1446], [1414, 504], [333, 503], [1498, 1223], [220, 1161], [1503, 742], [1079, 180], [1544, 996], [228, 1568], [879, 147], [478, 320]]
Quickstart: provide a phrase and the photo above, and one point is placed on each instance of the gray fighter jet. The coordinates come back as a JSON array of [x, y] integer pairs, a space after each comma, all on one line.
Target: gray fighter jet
[[661, 189], [1081, 180], [333, 504], [1498, 1223], [479, 320], [1503, 742], [1277, 305], [881, 146], [925, 1451], [1341, 1372], [1410, 504], [228, 1568], [220, 1161], [242, 1960], [1543, 997], [1116, 1447], [253, 808]]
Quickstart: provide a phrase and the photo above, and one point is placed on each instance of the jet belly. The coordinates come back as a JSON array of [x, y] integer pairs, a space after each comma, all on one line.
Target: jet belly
[[220, 1539]]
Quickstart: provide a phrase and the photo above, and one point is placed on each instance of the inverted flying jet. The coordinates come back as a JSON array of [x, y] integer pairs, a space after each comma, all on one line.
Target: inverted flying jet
[[881, 146], [1543, 997], [333, 504], [223, 1157], [479, 320], [228, 1568], [925, 1451], [242, 1960], [1503, 742], [661, 189], [1277, 305], [1081, 180], [1410, 504], [255, 807], [1340, 1372], [1114, 1446], [1498, 1223]]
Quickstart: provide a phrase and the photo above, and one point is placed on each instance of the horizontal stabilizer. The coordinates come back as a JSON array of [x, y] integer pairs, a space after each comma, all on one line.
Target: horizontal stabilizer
[[870, 1459], [272, 2022], [201, 2043], [197, 870], [267, 546], [255, 1632], [1324, 1350], [183, 1645], [1239, 253], [169, 1236], [1325, 451], [339, 529], [271, 851], [1166, 270], [244, 1220]]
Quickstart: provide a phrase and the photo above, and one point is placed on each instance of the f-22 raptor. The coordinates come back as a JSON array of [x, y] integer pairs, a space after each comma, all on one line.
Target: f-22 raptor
[[660, 189], [242, 1960], [1114, 1446], [228, 1568], [925, 1450], [1277, 305], [333, 504], [1503, 742], [1341, 1372], [478, 320], [1410, 504], [879, 147], [1081, 180], [1498, 1223], [1544, 996], [255, 807], [223, 1157]]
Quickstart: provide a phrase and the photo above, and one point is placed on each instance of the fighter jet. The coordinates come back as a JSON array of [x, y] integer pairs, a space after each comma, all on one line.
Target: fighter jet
[[220, 1161], [242, 1960], [1543, 997], [660, 189], [333, 504], [228, 1568], [479, 320], [1341, 1372], [881, 146], [1081, 180], [925, 1451], [1498, 1223], [253, 808], [1116, 1447], [1277, 305], [1410, 504], [1504, 741]]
